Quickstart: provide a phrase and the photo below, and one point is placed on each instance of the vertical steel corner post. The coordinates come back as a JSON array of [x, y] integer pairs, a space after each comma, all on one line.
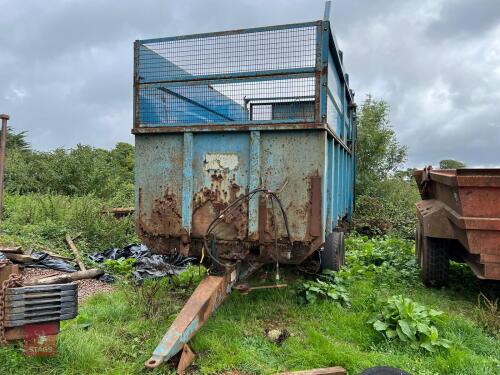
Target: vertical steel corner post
[[3, 145]]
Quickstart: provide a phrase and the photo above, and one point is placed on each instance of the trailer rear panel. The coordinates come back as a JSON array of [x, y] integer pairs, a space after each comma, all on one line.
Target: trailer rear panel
[[220, 114]]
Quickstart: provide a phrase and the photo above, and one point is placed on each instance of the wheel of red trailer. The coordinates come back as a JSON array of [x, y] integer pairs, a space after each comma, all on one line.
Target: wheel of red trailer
[[434, 261], [382, 370], [333, 254]]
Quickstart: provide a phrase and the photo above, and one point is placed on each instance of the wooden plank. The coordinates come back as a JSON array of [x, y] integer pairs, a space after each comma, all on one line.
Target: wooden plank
[[67, 277], [119, 211], [19, 258], [319, 371], [11, 249], [74, 250], [57, 256]]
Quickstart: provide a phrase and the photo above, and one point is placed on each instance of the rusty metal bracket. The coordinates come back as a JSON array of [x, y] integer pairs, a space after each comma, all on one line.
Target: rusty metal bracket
[[433, 216], [187, 357]]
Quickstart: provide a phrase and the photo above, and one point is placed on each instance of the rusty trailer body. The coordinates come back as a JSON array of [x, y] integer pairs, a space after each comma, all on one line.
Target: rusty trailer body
[[220, 114], [459, 219], [244, 155]]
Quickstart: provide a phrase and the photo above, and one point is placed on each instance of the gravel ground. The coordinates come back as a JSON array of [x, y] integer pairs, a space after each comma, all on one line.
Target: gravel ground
[[86, 288]]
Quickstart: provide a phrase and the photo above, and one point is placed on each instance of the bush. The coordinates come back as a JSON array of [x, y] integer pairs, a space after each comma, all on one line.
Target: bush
[[42, 220], [50, 194], [380, 251], [387, 208], [81, 171], [149, 295]]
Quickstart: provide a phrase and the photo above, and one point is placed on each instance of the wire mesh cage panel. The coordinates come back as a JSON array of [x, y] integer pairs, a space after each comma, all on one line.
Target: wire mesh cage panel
[[256, 75]]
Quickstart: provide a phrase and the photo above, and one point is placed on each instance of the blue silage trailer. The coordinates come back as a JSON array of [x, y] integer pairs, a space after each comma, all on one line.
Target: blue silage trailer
[[245, 153]]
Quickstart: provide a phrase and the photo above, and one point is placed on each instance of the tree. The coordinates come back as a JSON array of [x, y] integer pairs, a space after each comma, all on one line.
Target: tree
[[451, 164], [379, 153], [16, 141], [123, 154]]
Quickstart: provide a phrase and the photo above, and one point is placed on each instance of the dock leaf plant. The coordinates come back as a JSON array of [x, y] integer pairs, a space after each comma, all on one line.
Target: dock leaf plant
[[401, 318]]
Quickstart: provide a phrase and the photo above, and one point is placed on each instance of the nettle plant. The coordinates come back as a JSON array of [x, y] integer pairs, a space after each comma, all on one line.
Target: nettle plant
[[328, 285], [406, 320]]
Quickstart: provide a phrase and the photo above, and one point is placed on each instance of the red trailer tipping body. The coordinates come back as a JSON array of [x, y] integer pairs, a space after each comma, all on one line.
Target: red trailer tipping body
[[460, 214]]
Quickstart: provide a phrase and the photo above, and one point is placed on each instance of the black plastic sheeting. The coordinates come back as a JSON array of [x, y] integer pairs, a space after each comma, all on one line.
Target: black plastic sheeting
[[44, 260], [129, 251], [147, 265]]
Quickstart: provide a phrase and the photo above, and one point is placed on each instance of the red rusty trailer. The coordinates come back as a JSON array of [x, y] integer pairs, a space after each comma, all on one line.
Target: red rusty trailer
[[459, 219]]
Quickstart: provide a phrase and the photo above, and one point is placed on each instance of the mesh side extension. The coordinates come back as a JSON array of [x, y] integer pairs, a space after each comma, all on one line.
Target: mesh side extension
[[226, 54], [266, 75]]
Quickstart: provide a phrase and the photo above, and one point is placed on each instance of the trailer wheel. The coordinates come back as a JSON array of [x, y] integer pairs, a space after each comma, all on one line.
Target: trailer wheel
[[333, 254], [434, 261]]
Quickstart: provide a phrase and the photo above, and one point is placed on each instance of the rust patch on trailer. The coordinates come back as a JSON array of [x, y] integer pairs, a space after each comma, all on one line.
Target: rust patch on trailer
[[208, 204], [315, 215], [161, 228], [165, 218], [262, 223]]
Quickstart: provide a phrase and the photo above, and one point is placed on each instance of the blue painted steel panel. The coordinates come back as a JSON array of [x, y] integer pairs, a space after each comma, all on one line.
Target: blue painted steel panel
[[336, 191], [221, 170], [293, 156]]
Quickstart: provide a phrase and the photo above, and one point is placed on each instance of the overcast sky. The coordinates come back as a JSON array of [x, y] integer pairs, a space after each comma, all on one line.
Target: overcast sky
[[66, 65]]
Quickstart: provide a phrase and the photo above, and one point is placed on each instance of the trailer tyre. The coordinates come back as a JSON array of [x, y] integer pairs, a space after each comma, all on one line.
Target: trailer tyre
[[333, 254], [434, 261]]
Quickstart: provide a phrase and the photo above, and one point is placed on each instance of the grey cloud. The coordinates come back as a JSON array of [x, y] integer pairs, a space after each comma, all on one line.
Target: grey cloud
[[465, 19]]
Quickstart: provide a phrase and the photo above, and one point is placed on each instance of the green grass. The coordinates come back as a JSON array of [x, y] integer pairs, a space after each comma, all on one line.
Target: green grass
[[326, 335], [119, 339]]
